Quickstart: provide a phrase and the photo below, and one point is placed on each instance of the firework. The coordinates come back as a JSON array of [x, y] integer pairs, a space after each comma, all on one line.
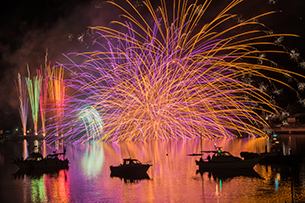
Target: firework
[[43, 99], [86, 124], [56, 90], [23, 101], [34, 86], [173, 79]]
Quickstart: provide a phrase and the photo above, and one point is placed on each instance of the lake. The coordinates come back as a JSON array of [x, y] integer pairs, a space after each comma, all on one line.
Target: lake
[[172, 177]]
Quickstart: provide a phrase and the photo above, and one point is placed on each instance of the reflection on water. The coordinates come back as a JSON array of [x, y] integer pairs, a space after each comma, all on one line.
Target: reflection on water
[[131, 178], [44, 185], [92, 160], [229, 174], [173, 176], [25, 152]]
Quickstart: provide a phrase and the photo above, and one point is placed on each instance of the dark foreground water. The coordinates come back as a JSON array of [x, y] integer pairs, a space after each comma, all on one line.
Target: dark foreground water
[[172, 178]]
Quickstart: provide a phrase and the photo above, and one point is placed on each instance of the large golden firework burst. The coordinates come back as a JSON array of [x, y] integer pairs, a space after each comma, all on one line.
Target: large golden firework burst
[[173, 75]]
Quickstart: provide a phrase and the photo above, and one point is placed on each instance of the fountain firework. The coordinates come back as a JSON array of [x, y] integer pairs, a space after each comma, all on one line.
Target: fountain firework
[[43, 99], [174, 79], [34, 86], [23, 101], [56, 89]]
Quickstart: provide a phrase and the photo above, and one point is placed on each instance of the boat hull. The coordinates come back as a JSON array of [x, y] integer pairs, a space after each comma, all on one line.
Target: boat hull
[[238, 164], [44, 163], [51, 163], [281, 160], [23, 164]]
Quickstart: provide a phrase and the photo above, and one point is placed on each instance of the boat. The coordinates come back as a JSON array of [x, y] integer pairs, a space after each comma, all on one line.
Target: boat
[[129, 167], [25, 164], [224, 160], [52, 161], [35, 160], [275, 156]]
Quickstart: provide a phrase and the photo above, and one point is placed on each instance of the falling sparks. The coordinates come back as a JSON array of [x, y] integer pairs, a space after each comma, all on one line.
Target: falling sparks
[[279, 40], [302, 64], [278, 91], [301, 86], [263, 87], [247, 79], [294, 54], [302, 101], [240, 19], [260, 59]]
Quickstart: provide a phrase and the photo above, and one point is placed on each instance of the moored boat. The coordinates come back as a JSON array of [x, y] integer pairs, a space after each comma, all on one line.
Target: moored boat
[[129, 166], [36, 160], [224, 160], [276, 155], [27, 163], [52, 161]]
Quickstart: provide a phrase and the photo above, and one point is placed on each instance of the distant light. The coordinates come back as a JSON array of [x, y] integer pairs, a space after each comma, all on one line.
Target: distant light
[[16, 129], [275, 135], [220, 185]]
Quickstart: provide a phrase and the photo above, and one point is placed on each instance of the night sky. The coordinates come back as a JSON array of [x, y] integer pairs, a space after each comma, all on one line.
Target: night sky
[[30, 29]]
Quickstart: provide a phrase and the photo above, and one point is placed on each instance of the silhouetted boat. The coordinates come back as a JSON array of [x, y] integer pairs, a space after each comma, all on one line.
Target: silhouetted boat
[[36, 160], [129, 166], [272, 158], [224, 160], [275, 156], [33, 157]]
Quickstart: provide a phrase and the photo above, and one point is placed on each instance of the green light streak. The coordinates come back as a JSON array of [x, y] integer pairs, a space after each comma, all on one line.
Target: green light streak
[[34, 87], [38, 190], [92, 121]]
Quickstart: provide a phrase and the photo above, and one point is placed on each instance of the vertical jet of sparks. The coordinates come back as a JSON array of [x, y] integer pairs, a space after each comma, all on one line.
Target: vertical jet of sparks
[[44, 97], [34, 86], [23, 101], [56, 86]]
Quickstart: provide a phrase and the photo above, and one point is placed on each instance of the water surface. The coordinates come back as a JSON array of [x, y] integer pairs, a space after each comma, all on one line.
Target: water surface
[[172, 178]]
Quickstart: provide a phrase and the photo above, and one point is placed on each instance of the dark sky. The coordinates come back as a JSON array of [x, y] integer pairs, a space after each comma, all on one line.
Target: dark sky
[[29, 28]]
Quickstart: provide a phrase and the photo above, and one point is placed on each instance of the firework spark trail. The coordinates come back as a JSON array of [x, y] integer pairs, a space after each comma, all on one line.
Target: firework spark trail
[[174, 80], [43, 99], [56, 90], [34, 86], [23, 101]]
